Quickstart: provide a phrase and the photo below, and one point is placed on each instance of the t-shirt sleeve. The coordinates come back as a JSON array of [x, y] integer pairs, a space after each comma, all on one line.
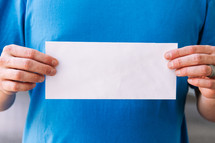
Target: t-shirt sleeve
[[12, 17], [208, 31]]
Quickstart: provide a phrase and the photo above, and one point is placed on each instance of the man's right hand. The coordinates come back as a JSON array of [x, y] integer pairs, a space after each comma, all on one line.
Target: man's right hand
[[21, 68]]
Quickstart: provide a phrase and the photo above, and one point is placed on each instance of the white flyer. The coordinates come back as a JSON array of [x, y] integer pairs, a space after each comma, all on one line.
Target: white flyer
[[102, 70]]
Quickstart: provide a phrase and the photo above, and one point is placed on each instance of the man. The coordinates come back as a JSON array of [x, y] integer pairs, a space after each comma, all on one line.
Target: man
[[30, 23]]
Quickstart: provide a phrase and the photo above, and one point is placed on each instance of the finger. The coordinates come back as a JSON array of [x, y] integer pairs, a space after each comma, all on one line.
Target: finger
[[191, 60], [188, 50], [23, 52], [202, 83], [21, 76], [194, 71], [28, 65], [13, 86]]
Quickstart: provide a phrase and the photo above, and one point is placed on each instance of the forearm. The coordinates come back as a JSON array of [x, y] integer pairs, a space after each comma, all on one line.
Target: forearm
[[206, 107], [6, 101]]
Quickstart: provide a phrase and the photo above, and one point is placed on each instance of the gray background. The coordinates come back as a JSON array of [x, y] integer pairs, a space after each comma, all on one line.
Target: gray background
[[12, 122]]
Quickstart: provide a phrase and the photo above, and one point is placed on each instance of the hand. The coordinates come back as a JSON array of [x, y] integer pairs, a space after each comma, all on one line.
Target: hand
[[193, 61], [21, 68]]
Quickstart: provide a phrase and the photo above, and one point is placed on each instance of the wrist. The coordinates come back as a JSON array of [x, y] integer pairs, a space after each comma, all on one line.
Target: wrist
[[206, 107]]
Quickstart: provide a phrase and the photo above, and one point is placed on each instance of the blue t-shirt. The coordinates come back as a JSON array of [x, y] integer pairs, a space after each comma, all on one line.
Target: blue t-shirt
[[32, 22]]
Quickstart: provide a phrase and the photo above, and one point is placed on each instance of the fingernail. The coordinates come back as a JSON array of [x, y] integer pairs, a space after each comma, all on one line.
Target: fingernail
[[41, 79], [53, 72], [54, 62], [177, 72], [168, 55], [170, 64]]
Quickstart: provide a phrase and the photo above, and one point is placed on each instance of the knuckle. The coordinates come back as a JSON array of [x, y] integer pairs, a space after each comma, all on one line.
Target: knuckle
[[178, 53], [18, 75], [197, 82], [14, 86], [8, 48], [178, 62], [48, 60], [27, 64], [184, 71], [30, 53], [212, 48], [197, 59], [192, 49], [210, 84], [4, 85], [205, 70], [3, 60], [208, 46]]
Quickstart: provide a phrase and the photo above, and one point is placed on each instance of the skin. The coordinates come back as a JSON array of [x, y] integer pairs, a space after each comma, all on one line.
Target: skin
[[193, 61], [20, 69]]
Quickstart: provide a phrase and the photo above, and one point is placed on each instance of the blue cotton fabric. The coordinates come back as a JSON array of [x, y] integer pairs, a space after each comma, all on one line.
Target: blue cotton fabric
[[32, 22]]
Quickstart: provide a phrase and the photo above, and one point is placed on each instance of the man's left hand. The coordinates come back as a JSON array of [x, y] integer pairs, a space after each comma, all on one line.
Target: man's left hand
[[194, 61]]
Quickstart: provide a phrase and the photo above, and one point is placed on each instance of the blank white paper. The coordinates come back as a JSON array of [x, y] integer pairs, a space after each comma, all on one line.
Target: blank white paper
[[97, 70]]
